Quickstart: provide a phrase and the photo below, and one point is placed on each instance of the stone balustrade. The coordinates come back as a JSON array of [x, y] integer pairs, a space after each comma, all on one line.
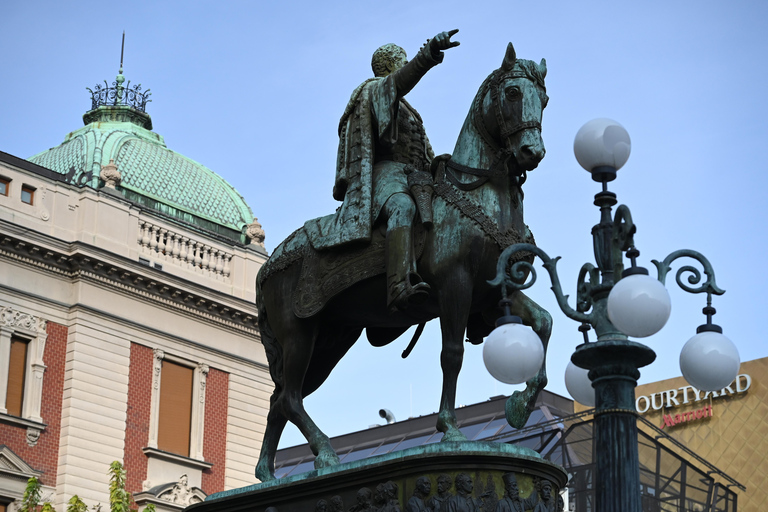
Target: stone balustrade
[[176, 248]]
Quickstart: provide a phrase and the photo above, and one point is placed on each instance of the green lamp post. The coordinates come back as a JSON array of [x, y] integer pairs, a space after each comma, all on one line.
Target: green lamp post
[[617, 303]]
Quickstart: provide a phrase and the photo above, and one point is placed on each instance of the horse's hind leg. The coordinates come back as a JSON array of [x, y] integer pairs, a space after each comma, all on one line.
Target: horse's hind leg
[[276, 420], [521, 403], [296, 358]]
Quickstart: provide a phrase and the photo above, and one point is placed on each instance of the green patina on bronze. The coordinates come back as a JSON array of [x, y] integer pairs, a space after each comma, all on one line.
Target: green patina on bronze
[[442, 477], [360, 263], [152, 175]]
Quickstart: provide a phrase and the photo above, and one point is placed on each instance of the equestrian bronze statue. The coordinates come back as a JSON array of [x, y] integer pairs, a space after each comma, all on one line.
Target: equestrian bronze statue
[[417, 237]]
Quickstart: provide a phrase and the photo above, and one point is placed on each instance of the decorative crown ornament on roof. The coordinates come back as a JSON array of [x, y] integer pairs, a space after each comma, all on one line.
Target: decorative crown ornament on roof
[[120, 94]]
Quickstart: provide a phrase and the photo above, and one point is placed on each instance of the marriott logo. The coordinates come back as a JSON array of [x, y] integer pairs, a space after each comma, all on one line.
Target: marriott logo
[[670, 421]]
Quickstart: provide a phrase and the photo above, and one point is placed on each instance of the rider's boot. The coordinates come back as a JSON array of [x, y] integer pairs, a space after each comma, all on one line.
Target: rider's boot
[[404, 286]]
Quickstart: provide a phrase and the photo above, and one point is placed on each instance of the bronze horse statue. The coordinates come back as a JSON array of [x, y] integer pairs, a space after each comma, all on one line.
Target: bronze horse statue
[[477, 210]]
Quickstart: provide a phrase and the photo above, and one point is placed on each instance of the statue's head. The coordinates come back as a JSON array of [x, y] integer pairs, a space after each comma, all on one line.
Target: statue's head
[[444, 483], [423, 486], [546, 490], [387, 59], [510, 485], [464, 483], [364, 496], [337, 504]]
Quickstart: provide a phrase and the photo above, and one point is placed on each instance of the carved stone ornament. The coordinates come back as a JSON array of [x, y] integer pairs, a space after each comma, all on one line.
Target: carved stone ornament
[[33, 436], [181, 493], [255, 233], [14, 318], [110, 175]]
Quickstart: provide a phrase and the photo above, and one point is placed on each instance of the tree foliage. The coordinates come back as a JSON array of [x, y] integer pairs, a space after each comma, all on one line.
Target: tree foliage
[[120, 500], [31, 498], [75, 504]]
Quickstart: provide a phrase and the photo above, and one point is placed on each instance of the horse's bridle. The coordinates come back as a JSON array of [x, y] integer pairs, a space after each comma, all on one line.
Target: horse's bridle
[[502, 155], [494, 86]]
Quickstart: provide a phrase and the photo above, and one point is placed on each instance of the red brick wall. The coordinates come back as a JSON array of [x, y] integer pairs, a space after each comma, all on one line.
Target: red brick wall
[[137, 422], [44, 455], [137, 418], [215, 437]]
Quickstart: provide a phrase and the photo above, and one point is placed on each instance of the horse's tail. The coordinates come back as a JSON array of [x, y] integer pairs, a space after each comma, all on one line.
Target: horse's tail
[[272, 346]]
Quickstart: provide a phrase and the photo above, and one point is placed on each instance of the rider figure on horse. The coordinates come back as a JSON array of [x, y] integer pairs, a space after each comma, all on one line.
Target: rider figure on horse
[[381, 138]]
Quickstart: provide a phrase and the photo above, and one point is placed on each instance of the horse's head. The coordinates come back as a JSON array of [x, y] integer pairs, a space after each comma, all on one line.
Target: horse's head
[[508, 108]]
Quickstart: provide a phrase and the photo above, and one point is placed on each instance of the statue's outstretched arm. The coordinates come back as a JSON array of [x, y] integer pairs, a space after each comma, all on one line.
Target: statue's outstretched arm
[[430, 55]]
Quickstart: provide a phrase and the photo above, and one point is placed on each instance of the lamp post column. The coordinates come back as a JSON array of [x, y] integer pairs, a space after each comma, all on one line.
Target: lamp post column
[[613, 365]]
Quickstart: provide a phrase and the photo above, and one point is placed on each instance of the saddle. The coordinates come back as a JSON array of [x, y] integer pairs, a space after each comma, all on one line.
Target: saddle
[[328, 272]]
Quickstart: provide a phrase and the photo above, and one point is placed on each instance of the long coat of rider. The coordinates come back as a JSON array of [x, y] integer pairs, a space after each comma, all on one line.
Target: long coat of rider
[[379, 135]]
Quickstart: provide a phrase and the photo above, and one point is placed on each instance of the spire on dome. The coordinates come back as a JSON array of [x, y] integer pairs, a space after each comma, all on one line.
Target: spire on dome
[[107, 101]]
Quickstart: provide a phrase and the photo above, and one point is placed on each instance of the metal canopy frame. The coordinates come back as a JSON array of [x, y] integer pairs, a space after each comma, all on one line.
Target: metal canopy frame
[[672, 477], [669, 479]]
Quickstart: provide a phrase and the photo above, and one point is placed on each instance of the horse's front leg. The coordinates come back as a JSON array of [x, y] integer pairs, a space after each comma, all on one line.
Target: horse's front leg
[[454, 300], [521, 403]]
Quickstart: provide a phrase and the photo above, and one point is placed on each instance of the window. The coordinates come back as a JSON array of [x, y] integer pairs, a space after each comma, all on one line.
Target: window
[[177, 406], [27, 194], [17, 369], [22, 344], [5, 185], [175, 421]]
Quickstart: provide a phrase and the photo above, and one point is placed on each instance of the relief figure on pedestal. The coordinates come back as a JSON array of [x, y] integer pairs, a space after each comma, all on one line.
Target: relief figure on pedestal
[[548, 502], [512, 501], [336, 504], [416, 503], [437, 502], [463, 500], [364, 497]]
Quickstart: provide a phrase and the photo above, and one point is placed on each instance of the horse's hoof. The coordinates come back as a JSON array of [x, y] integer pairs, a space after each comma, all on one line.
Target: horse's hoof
[[264, 474], [517, 409], [326, 459], [454, 435]]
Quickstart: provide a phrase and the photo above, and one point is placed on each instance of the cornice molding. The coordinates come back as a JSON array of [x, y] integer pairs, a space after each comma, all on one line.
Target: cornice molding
[[135, 281]]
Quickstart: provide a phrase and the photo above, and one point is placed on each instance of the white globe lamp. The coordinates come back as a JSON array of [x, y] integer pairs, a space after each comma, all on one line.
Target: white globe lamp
[[638, 304], [709, 361], [513, 353], [602, 147], [578, 385]]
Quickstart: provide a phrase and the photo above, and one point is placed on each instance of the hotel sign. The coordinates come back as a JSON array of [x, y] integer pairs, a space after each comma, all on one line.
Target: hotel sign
[[687, 395]]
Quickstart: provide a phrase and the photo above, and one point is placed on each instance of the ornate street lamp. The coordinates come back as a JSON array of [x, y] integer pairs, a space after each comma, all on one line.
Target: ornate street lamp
[[616, 303]]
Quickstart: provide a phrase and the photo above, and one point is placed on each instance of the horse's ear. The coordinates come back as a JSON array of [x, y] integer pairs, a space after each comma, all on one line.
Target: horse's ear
[[509, 58], [543, 68]]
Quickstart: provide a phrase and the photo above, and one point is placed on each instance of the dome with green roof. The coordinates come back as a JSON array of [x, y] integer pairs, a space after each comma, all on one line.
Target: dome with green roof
[[118, 128]]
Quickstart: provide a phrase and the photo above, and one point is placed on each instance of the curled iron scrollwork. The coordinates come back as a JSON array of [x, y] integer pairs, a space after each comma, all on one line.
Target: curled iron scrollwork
[[709, 286], [511, 275], [119, 95], [584, 287]]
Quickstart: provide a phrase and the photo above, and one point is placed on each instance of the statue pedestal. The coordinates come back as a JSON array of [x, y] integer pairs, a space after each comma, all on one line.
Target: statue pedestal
[[478, 474]]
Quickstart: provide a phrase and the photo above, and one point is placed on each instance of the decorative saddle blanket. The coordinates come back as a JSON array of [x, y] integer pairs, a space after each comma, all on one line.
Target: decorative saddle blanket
[[326, 273]]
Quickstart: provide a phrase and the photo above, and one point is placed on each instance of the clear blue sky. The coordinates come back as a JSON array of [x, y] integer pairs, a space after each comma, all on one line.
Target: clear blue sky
[[254, 90]]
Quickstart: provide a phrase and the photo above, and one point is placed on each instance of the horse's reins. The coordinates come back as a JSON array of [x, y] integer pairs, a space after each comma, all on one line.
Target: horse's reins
[[502, 155]]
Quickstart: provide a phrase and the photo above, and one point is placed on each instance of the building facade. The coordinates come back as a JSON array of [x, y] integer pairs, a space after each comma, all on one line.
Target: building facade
[[729, 428], [127, 319]]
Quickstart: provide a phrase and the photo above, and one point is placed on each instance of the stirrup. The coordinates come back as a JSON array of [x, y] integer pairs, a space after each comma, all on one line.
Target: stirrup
[[410, 292]]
